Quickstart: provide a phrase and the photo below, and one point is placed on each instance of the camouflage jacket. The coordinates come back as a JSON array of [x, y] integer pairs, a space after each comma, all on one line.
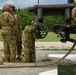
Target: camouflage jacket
[[7, 22], [74, 14], [28, 33], [18, 27]]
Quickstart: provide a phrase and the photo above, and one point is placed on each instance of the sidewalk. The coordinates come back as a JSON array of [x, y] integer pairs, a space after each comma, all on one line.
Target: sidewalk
[[40, 54], [48, 70], [49, 45], [53, 45]]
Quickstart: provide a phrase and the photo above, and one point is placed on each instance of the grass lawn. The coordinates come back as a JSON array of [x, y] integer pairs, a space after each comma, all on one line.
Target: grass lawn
[[51, 37], [54, 37], [0, 36]]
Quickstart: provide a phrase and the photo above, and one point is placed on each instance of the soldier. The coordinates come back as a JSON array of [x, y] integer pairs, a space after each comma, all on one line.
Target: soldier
[[18, 29], [74, 14], [29, 45], [7, 22]]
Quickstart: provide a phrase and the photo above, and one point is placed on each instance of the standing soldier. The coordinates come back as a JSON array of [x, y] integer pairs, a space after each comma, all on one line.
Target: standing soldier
[[29, 45], [74, 14], [7, 22], [18, 30]]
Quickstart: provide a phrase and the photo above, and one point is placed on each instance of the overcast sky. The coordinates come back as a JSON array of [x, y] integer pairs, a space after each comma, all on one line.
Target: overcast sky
[[27, 3]]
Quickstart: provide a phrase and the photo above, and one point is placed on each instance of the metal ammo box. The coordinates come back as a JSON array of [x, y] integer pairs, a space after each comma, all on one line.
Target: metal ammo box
[[66, 69]]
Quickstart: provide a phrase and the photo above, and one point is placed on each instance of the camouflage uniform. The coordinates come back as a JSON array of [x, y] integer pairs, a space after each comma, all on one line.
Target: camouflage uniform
[[8, 33], [29, 45], [18, 29], [74, 14]]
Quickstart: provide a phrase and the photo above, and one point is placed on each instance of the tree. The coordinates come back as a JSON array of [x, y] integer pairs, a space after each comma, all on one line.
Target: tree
[[27, 17], [51, 21]]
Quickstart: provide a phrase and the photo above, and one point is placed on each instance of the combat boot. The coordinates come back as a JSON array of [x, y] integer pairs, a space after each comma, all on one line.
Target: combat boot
[[7, 59], [13, 59]]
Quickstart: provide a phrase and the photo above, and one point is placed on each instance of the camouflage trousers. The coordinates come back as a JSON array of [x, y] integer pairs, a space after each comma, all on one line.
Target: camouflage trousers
[[29, 51], [19, 46], [29, 55], [9, 47]]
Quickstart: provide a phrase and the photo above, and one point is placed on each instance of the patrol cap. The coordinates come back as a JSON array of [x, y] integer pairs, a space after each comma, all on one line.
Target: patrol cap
[[13, 8]]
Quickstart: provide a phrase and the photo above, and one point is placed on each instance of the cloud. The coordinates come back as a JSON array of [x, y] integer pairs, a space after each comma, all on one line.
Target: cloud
[[2, 3], [10, 2], [27, 3], [3, 0]]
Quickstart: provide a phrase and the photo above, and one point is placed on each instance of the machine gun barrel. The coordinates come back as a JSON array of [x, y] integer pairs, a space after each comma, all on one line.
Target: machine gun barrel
[[54, 9]]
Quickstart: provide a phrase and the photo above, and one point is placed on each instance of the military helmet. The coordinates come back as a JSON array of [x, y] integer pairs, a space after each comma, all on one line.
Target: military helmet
[[7, 7]]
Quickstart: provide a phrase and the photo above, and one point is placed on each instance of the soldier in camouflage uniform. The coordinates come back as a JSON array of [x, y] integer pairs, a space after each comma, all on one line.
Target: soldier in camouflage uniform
[[18, 30], [74, 14], [7, 22], [29, 45]]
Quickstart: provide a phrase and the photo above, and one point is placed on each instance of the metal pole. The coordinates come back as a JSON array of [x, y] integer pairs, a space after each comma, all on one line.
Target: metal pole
[[38, 2]]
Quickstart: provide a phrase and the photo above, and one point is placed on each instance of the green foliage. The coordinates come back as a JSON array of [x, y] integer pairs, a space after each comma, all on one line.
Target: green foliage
[[26, 18], [46, 59], [1, 11], [51, 21]]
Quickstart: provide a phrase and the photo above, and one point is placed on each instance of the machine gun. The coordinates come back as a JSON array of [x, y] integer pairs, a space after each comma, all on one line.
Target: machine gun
[[61, 10], [67, 28]]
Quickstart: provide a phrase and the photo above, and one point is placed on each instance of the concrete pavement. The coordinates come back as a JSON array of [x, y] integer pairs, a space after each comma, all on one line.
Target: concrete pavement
[[48, 70], [49, 45], [40, 54]]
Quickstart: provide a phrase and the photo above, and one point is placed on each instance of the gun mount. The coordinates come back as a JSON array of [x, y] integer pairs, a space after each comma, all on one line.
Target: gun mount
[[54, 9], [60, 10], [65, 31]]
